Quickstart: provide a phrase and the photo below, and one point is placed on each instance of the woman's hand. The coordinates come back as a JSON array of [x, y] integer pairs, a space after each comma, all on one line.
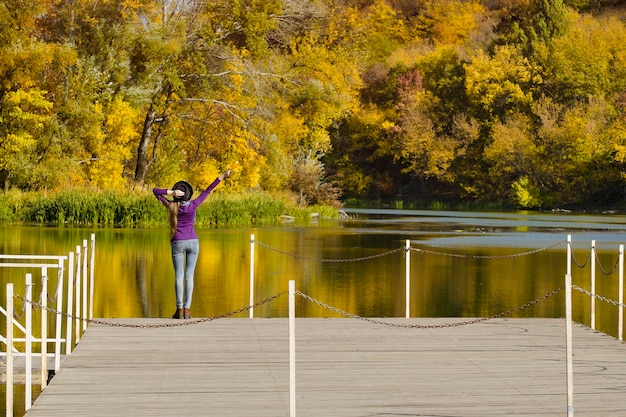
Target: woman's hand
[[224, 175], [176, 193]]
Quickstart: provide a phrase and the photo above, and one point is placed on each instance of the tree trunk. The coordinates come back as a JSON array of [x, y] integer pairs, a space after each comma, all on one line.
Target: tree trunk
[[144, 144]]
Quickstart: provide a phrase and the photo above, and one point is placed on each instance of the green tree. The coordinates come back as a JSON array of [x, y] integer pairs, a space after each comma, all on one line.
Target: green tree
[[588, 60], [529, 24], [514, 158], [503, 83]]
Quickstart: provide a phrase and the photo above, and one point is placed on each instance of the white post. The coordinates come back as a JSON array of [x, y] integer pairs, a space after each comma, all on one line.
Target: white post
[[569, 254], [92, 259], [568, 330], [292, 348], [28, 388], [593, 284], [85, 285], [59, 318], [9, 383], [44, 327], [620, 330], [70, 302], [251, 275], [77, 291], [408, 278]]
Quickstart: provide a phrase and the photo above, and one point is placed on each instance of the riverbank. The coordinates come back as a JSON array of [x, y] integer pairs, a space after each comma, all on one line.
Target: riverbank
[[478, 205]]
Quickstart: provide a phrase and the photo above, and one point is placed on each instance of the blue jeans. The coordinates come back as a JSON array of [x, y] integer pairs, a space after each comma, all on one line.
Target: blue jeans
[[184, 256]]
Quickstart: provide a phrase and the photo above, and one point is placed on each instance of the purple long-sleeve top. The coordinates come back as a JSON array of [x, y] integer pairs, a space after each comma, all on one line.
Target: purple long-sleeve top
[[185, 228]]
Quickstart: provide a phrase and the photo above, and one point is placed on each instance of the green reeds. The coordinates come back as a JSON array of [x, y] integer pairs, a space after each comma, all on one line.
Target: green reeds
[[107, 208], [240, 209], [142, 209]]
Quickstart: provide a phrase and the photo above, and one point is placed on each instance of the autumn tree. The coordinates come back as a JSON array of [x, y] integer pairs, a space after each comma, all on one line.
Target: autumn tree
[[31, 152]]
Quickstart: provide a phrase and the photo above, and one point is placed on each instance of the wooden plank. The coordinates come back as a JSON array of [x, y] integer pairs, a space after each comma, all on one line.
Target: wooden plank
[[345, 367]]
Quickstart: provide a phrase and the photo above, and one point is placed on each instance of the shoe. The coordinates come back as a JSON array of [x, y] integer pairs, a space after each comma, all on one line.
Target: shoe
[[179, 314], [187, 313]]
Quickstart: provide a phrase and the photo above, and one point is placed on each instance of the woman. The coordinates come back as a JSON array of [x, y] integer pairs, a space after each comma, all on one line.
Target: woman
[[184, 240]]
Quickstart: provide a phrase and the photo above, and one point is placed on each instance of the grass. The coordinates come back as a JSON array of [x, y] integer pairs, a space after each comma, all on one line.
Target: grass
[[141, 209]]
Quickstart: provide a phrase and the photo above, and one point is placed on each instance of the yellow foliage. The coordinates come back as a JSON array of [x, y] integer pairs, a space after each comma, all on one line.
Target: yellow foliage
[[113, 145], [204, 173], [407, 56], [490, 80], [24, 116], [512, 150], [526, 194], [289, 128], [106, 173], [454, 21], [620, 152]]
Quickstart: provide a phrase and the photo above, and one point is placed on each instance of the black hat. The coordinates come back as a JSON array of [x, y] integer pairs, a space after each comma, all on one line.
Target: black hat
[[185, 187]]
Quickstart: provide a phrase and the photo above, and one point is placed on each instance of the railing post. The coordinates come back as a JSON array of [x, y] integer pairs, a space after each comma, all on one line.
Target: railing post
[[9, 383], [407, 256], [70, 303], [568, 330], [92, 259], [251, 275], [44, 327], [620, 330], [292, 348], [85, 314], [593, 284], [59, 318], [28, 371], [77, 291]]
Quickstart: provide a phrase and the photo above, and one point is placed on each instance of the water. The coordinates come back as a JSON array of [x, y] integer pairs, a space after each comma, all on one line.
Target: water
[[463, 264]]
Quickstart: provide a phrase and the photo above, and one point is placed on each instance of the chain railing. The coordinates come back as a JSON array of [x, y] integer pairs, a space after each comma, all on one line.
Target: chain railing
[[403, 249], [577, 263], [180, 323], [513, 255], [594, 259], [598, 263], [605, 272], [305, 297], [598, 297], [308, 258], [429, 326], [595, 256]]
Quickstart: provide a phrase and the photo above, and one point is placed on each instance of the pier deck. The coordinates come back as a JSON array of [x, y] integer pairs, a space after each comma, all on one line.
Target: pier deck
[[345, 367]]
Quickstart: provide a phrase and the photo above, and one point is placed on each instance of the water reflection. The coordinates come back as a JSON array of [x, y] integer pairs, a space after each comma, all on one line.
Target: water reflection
[[468, 268]]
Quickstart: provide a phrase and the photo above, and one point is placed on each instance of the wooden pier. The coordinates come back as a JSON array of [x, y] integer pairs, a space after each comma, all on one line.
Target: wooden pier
[[344, 367]]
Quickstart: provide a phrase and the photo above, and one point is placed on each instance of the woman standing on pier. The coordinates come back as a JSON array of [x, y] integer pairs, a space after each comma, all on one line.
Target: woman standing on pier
[[183, 237]]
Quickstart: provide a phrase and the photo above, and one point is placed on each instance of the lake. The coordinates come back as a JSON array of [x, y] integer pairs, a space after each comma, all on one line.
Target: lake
[[465, 264]]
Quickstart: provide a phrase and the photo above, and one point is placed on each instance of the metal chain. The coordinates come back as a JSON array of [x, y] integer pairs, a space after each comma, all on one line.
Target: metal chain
[[429, 326], [578, 264], [364, 258], [153, 326], [514, 255], [602, 269], [599, 297]]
